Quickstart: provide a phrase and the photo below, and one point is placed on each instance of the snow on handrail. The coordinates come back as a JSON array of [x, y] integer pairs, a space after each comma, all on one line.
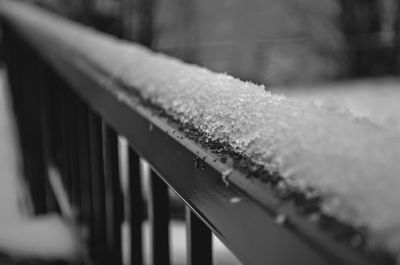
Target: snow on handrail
[[353, 163]]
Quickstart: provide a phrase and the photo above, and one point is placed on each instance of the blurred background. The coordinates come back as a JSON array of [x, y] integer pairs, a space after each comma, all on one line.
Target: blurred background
[[277, 42]]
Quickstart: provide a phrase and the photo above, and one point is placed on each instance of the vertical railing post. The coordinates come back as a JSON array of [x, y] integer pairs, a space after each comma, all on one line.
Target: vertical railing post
[[135, 209], [98, 238], [47, 127], [72, 147], [64, 137], [114, 197], [199, 241], [84, 160], [159, 218]]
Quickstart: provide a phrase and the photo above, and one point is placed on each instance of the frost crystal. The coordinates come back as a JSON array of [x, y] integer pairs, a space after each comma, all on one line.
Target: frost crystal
[[352, 161]]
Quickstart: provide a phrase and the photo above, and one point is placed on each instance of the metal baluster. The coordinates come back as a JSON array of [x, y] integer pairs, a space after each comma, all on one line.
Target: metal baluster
[[84, 159], [199, 241], [159, 218], [64, 137], [67, 143], [73, 150], [57, 113], [36, 170], [98, 237], [46, 108], [114, 198], [136, 208]]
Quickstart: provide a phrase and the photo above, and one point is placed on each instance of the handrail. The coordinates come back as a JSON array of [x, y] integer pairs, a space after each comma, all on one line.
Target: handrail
[[246, 214]]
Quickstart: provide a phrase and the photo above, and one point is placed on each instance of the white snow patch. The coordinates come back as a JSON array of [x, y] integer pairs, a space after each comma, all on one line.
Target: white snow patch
[[46, 238]]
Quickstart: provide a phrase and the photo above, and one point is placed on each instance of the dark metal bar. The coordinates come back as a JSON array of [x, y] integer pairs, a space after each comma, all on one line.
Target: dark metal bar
[[64, 152], [66, 157], [135, 208], [84, 159], [46, 108], [199, 240], [159, 218], [56, 113], [97, 233], [72, 147], [114, 198]]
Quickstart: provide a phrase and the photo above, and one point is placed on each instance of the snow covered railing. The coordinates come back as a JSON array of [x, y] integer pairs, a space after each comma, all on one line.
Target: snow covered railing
[[277, 180]]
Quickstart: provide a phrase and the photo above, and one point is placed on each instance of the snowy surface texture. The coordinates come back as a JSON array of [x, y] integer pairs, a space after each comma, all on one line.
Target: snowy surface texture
[[374, 99], [351, 161]]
